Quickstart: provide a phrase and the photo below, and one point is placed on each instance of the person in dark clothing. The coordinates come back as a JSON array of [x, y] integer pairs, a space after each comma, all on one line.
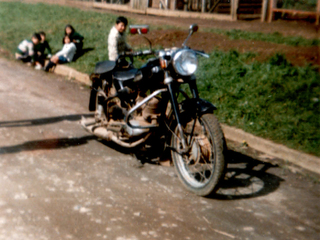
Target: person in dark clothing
[[40, 51], [77, 37]]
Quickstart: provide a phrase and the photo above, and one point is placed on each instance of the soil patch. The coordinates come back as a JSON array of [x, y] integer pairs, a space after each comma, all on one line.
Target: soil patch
[[208, 42]]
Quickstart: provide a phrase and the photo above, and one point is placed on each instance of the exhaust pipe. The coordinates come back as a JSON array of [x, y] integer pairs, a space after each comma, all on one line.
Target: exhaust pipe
[[102, 132]]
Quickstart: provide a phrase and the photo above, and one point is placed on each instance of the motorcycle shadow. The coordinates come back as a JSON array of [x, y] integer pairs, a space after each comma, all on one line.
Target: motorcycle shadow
[[43, 121], [247, 177], [141, 155]]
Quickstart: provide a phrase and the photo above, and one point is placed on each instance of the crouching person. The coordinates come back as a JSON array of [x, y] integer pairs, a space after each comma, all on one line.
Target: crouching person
[[64, 56], [25, 51], [42, 51]]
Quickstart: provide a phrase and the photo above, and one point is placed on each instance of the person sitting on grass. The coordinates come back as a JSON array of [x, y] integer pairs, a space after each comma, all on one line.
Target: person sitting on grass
[[25, 51], [40, 51], [117, 39], [65, 55], [76, 37]]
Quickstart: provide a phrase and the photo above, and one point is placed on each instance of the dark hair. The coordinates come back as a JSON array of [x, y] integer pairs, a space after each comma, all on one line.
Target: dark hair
[[36, 35], [123, 20], [42, 33], [69, 36], [70, 26]]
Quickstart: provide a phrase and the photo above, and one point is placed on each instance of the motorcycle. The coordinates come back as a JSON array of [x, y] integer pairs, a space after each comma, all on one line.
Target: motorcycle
[[147, 109]]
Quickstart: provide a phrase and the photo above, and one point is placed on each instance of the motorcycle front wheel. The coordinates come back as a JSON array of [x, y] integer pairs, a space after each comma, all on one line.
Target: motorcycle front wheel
[[202, 168]]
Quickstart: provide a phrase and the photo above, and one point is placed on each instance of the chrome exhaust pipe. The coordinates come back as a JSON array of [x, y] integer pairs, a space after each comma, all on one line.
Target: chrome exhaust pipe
[[102, 132]]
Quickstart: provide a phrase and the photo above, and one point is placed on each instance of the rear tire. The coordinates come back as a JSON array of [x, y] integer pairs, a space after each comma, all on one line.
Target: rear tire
[[202, 168]]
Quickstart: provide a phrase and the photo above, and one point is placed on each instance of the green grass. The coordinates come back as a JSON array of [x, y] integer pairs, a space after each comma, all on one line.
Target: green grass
[[18, 21], [274, 99], [306, 5], [275, 37]]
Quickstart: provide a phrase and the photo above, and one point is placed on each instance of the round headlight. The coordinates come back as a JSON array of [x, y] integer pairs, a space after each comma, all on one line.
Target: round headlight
[[185, 62]]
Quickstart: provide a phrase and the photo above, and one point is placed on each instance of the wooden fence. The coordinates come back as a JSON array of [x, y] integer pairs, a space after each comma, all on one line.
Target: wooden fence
[[227, 10], [273, 9], [210, 9]]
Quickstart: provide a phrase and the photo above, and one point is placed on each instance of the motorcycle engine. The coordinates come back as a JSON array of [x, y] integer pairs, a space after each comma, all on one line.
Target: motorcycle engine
[[147, 114]]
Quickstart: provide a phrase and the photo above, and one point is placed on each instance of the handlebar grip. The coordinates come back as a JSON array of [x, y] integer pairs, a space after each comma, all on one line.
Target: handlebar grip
[[125, 54]]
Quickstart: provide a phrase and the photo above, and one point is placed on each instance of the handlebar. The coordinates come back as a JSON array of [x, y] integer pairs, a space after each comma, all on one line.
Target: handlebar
[[151, 52], [135, 54], [202, 53]]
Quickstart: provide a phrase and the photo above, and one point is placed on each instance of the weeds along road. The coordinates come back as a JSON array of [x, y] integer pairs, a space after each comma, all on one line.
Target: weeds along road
[[58, 182]]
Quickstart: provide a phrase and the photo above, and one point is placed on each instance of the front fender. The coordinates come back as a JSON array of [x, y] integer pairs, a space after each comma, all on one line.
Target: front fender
[[198, 107], [189, 109]]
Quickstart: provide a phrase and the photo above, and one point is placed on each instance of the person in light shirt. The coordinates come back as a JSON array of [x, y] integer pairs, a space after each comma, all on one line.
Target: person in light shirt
[[117, 39], [25, 51], [65, 55]]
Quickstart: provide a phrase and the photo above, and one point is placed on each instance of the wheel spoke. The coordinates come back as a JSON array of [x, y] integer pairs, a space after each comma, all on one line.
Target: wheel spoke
[[202, 167]]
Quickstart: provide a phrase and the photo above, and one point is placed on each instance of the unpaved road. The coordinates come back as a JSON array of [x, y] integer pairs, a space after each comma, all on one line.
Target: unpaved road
[[58, 182]]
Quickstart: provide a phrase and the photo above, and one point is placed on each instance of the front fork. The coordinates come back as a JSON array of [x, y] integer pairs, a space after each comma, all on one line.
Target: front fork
[[175, 106]]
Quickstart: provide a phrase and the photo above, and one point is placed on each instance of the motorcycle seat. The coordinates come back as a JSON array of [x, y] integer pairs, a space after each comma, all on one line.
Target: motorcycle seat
[[125, 75], [105, 66]]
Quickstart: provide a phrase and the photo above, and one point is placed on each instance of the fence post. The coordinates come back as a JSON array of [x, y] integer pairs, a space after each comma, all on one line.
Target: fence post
[[234, 9], [264, 10], [271, 6], [203, 6], [318, 12]]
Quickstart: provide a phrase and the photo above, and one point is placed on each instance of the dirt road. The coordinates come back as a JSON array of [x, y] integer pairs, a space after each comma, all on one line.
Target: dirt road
[[58, 182]]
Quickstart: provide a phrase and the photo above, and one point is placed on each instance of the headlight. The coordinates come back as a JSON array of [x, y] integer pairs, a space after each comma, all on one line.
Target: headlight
[[185, 62]]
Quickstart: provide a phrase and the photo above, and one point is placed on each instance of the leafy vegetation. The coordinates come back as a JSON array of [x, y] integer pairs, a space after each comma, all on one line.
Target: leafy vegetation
[[274, 99]]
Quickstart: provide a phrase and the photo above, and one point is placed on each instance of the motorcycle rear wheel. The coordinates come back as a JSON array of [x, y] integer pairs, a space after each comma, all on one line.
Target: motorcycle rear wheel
[[202, 168]]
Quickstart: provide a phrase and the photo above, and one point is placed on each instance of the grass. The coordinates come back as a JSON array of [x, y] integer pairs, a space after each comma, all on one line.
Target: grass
[[306, 5], [275, 37], [19, 20], [274, 99]]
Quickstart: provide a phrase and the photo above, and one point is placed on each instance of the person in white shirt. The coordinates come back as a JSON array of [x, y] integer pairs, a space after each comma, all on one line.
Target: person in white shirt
[[117, 39], [65, 55], [25, 50]]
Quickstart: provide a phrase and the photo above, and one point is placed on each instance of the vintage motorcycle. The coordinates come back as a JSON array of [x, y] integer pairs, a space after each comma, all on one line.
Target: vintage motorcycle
[[147, 110]]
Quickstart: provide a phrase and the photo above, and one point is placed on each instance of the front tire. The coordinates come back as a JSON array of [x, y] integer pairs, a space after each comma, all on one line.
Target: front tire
[[201, 169]]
